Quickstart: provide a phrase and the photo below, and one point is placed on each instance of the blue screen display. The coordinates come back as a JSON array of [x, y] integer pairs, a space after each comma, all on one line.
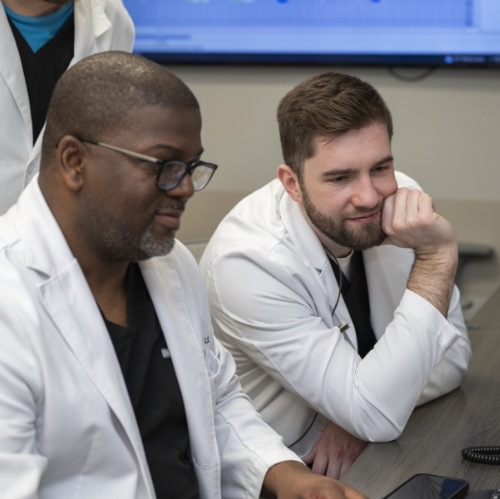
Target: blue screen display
[[377, 32]]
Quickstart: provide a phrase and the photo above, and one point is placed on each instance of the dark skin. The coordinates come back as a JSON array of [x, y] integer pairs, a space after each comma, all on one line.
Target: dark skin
[[105, 203], [124, 191], [34, 8]]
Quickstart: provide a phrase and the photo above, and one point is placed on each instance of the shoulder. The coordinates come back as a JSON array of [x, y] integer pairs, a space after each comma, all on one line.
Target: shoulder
[[109, 20], [253, 223]]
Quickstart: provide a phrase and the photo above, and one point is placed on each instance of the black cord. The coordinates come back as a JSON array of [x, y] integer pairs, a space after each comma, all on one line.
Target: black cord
[[307, 429], [340, 281], [426, 72], [482, 455]]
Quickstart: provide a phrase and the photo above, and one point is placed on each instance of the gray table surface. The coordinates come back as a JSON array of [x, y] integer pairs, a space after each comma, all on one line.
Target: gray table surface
[[437, 432]]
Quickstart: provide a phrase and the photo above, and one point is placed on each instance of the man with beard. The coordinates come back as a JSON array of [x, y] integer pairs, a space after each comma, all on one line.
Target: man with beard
[[39, 40], [333, 285], [113, 385]]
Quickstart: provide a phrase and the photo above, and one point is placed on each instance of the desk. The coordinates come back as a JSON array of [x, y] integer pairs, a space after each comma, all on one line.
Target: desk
[[437, 432]]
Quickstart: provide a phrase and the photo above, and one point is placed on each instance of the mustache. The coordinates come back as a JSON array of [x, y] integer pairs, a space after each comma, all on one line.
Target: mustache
[[175, 204], [365, 211]]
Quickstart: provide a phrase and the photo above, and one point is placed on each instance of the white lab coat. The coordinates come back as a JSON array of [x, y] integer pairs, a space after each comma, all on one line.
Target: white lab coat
[[272, 292], [99, 25], [67, 428]]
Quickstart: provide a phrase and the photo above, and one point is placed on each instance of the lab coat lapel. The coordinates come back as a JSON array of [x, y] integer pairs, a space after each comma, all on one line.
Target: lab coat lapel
[[180, 322], [11, 71], [70, 305], [91, 21], [313, 254]]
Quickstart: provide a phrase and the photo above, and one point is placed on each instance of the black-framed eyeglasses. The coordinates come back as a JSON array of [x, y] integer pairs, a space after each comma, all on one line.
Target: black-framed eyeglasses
[[171, 172]]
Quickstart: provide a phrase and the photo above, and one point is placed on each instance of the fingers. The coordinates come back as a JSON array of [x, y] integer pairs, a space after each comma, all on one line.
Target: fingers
[[387, 213], [405, 208], [334, 452], [410, 221], [346, 464], [324, 464], [334, 468], [334, 462]]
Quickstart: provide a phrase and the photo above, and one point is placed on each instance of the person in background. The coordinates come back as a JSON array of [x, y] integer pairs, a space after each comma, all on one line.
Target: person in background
[[39, 40], [113, 385], [333, 285]]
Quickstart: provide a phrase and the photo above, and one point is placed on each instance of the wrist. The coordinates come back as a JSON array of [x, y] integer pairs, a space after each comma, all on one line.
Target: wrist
[[433, 276], [280, 473], [443, 259]]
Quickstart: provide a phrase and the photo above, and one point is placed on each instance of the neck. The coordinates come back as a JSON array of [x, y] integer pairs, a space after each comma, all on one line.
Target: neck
[[108, 286], [335, 257], [330, 246], [32, 8]]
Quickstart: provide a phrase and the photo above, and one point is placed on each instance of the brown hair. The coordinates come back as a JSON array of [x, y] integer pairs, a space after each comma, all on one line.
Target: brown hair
[[326, 105]]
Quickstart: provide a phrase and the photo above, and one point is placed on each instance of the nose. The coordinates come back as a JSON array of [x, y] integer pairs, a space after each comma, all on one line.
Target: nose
[[184, 190], [365, 193]]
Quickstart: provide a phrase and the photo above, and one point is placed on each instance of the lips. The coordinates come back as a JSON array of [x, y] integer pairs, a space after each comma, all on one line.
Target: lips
[[170, 217], [365, 218]]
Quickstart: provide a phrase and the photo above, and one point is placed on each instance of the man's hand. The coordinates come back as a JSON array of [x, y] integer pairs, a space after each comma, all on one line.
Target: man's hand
[[409, 220], [334, 452], [293, 480]]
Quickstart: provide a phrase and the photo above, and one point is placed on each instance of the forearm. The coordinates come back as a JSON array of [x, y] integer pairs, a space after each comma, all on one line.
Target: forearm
[[433, 276], [410, 221]]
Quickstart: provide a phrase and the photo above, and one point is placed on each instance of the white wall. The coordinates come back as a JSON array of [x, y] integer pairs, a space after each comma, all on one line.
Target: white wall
[[447, 132], [447, 136]]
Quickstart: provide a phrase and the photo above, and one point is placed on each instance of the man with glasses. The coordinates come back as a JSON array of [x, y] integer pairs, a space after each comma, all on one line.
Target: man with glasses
[[113, 385]]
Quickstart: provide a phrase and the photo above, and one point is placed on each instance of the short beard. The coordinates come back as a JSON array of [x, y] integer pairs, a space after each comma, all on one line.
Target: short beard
[[119, 242], [58, 2], [151, 247], [336, 229]]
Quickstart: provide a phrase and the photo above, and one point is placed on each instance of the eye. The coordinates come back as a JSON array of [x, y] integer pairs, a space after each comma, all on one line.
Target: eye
[[381, 169], [339, 179], [151, 166]]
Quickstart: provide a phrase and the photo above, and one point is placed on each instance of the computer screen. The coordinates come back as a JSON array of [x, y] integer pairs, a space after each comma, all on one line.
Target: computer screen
[[345, 32]]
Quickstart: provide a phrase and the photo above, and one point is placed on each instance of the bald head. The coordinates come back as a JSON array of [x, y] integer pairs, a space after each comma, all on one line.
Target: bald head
[[97, 97], [108, 203]]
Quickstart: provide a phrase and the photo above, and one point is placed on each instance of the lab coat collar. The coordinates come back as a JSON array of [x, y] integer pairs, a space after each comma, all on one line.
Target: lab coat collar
[[302, 234], [11, 70], [34, 220], [91, 22]]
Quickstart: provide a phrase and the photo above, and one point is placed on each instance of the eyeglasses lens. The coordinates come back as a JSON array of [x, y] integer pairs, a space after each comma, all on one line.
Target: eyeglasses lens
[[174, 171]]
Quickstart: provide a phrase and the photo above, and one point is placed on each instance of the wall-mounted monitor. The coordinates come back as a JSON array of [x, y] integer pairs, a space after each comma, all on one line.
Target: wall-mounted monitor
[[334, 32]]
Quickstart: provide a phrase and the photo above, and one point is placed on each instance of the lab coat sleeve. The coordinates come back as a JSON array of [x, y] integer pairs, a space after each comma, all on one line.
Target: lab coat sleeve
[[248, 447], [263, 307], [453, 367]]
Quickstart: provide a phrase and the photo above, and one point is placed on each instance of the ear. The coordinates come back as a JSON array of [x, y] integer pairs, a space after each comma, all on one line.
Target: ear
[[71, 155], [290, 182]]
